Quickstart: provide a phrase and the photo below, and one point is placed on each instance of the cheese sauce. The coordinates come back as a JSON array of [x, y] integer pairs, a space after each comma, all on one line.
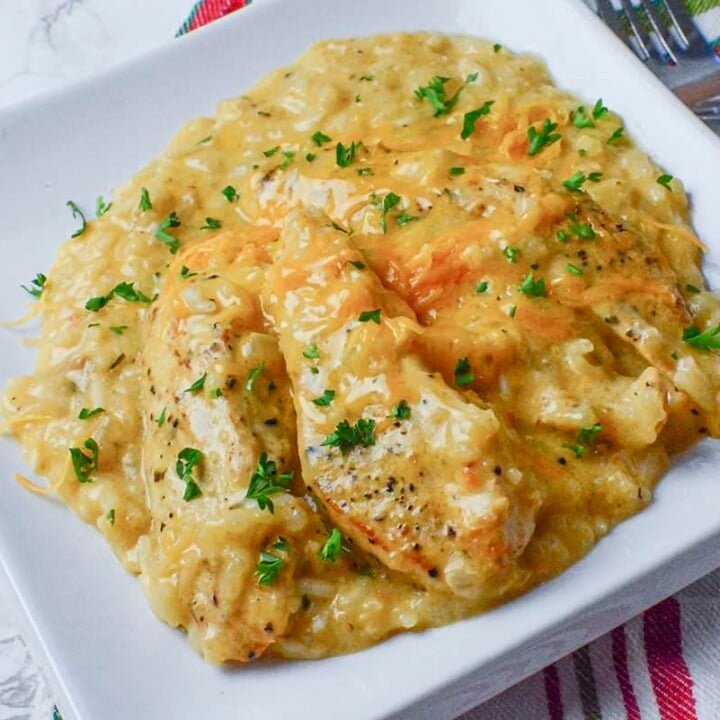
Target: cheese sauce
[[427, 233]]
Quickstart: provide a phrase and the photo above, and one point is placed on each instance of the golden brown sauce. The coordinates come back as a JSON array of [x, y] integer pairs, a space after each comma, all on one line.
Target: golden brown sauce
[[531, 331]]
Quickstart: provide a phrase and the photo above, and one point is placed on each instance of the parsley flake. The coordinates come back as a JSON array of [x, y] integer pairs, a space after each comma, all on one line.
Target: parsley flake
[[325, 399], [573, 269], [587, 435], [401, 411], [37, 285], [271, 151], [185, 272], [171, 221], [693, 289], [110, 516], [404, 219], [118, 329], [311, 352], [707, 340], [230, 193], [310, 156], [575, 183], [599, 110], [617, 136], [320, 138], [357, 265], [198, 385], [187, 460], [497, 47], [85, 464], [211, 224], [123, 290], [545, 136], [388, 203], [101, 207], [665, 181], [346, 436], [580, 119], [457, 171], [332, 548], [481, 287], [77, 213], [163, 417], [265, 481], [86, 413], [255, 373], [268, 569], [532, 287], [144, 203], [288, 157], [345, 155], [463, 373], [434, 92], [472, 117], [370, 315], [595, 176], [511, 254], [583, 230]]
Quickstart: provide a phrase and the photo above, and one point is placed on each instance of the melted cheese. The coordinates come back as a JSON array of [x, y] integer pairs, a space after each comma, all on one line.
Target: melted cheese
[[485, 489]]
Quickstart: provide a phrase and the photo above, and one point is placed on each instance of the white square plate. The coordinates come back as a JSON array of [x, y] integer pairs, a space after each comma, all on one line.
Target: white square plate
[[113, 658]]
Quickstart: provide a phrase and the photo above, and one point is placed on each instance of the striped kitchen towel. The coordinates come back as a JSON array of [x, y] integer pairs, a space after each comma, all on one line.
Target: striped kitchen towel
[[661, 665]]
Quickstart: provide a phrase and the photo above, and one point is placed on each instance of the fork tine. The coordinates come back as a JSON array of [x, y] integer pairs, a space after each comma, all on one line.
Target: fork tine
[[685, 27], [641, 37], [659, 29], [611, 18]]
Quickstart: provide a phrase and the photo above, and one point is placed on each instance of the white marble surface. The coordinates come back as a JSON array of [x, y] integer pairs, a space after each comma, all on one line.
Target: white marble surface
[[44, 46]]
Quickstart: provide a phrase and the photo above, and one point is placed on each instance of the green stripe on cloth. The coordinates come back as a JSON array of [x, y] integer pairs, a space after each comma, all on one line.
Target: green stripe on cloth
[[189, 20]]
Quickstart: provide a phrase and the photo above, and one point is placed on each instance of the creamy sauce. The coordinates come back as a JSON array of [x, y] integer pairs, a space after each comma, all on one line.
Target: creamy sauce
[[531, 331]]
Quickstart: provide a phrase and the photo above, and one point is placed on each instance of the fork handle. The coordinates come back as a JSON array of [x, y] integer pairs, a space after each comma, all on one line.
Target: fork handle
[[698, 90]]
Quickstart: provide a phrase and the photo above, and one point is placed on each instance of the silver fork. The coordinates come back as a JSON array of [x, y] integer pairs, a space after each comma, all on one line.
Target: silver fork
[[665, 37]]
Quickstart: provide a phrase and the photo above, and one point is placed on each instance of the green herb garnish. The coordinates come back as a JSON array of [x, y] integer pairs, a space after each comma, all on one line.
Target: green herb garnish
[[211, 224], [83, 464], [401, 411], [198, 385], [532, 287], [230, 193], [370, 315], [539, 139], [37, 285], [463, 372], [705, 340], [187, 460], [86, 413], [347, 436], [77, 213], [325, 399], [332, 548], [171, 221], [320, 138], [472, 117], [665, 181], [265, 481], [345, 155], [145, 203]]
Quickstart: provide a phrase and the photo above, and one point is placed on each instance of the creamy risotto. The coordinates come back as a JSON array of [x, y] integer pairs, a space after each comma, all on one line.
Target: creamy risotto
[[395, 336]]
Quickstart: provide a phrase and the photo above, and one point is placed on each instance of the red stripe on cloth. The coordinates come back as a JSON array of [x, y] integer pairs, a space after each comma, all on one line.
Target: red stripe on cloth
[[619, 655], [669, 673], [213, 9], [552, 692]]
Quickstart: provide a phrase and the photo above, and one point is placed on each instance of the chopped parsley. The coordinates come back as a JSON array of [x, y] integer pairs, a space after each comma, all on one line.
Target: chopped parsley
[[370, 315], [693, 289], [145, 203], [616, 136], [216, 392], [587, 435], [401, 411], [268, 568], [388, 203], [532, 287], [325, 399], [77, 213], [101, 207], [123, 290], [545, 136], [163, 417], [345, 155], [472, 117], [364, 171], [575, 183], [580, 119], [288, 157], [86, 413], [562, 236], [185, 272], [346, 436], [198, 385], [320, 138], [707, 340], [457, 171], [665, 181], [573, 269], [230, 193], [118, 329], [332, 548], [481, 287], [271, 151], [311, 352], [463, 372], [211, 224], [434, 92], [255, 373], [513, 311], [511, 254], [85, 464], [187, 460], [37, 285], [599, 110], [576, 448], [110, 516], [497, 47], [583, 230], [404, 219], [310, 156], [162, 234], [265, 481], [357, 265]]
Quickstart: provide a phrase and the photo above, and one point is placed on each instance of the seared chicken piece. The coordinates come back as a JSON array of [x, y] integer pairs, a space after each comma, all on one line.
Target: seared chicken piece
[[215, 383], [412, 470]]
